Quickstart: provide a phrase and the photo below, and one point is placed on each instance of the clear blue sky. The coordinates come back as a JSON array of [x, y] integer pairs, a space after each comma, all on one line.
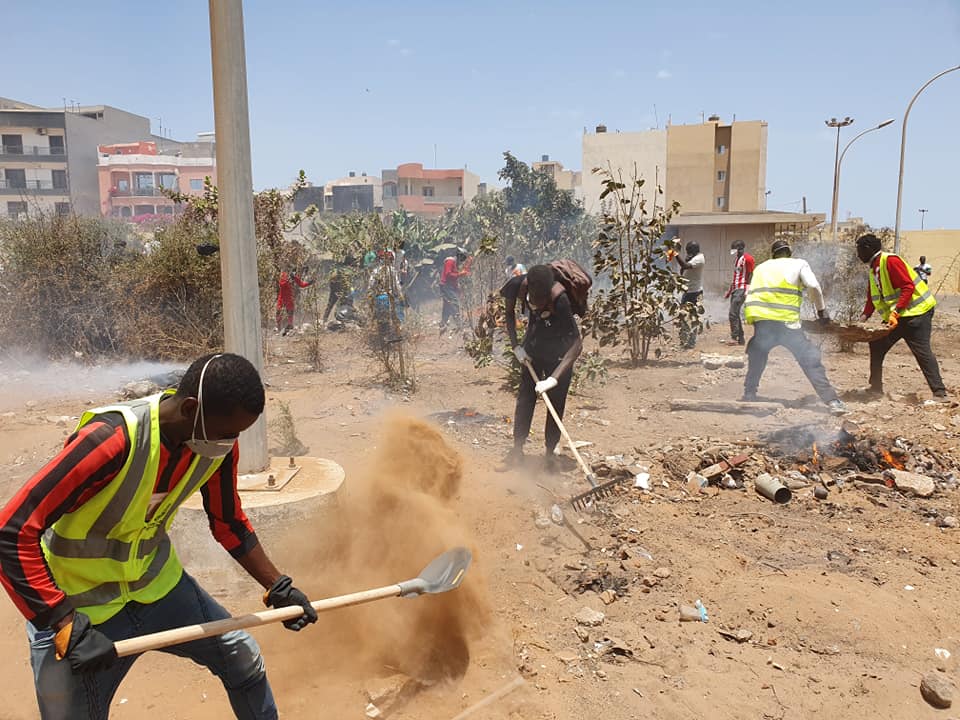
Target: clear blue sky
[[364, 86]]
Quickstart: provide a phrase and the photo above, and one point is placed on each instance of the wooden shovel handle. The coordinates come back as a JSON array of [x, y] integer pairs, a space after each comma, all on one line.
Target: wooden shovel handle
[[563, 431], [165, 638]]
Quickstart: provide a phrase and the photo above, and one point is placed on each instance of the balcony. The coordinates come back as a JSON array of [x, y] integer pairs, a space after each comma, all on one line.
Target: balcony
[[32, 187], [137, 192], [32, 153]]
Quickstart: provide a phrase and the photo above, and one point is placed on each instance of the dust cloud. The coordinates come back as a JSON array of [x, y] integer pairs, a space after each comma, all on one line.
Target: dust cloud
[[393, 519]]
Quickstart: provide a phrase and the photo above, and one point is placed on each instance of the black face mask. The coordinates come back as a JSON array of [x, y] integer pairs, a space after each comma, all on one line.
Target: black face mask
[[865, 254]]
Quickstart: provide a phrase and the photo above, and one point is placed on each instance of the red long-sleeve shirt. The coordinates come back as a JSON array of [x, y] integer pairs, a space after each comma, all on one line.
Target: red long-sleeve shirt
[[90, 459], [285, 289], [899, 279], [450, 275]]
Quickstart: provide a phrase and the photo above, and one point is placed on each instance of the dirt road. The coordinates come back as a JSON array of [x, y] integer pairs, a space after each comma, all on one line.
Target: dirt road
[[840, 604]]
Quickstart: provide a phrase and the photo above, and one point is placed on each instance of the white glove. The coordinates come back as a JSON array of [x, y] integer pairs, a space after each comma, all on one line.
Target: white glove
[[521, 354], [545, 385]]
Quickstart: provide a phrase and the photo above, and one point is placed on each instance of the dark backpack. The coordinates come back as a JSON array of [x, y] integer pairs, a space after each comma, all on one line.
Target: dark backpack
[[570, 278]]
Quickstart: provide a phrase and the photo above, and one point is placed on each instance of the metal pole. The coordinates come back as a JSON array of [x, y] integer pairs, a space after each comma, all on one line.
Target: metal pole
[[238, 246], [836, 189], [903, 147]]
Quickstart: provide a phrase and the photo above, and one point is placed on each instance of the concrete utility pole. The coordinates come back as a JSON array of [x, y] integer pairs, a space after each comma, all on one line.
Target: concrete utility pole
[[238, 246]]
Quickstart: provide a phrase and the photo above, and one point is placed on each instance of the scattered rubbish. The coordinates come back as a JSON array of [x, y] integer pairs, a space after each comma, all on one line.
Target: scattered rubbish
[[372, 711], [696, 482], [702, 610], [713, 361], [556, 514], [772, 489], [608, 597], [820, 492], [942, 653], [908, 587], [697, 613], [519, 547], [913, 483], [642, 478], [835, 556], [662, 572], [949, 522], [723, 466], [612, 649], [937, 690], [462, 416]]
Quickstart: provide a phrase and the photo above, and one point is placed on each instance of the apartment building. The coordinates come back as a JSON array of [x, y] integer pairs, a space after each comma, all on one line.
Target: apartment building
[[427, 192], [132, 177], [716, 171], [48, 157], [569, 180], [354, 193]]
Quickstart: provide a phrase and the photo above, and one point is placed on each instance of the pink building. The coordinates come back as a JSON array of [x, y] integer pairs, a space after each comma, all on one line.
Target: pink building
[[132, 177]]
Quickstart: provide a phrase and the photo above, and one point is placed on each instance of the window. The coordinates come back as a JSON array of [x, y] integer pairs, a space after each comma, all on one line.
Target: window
[[165, 210], [390, 190], [721, 149], [16, 209], [427, 191], [143, 210], [59, 178], [168, 181], [16, 178], [721, 175], [123, 185], [143, 182], [196, 184], [62, 208], [460, 191], [126, 211], [721, 202], [12, 144], [56, 145]]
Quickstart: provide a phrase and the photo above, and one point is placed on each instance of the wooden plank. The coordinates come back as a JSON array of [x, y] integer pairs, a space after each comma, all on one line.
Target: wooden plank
[[725, 406]]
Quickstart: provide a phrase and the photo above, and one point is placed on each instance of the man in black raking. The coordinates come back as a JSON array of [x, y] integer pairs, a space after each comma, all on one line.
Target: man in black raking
[[551, 344]]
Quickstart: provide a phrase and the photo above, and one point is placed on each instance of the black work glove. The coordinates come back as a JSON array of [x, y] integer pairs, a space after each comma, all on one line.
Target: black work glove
[[823, 317], [283, 594], [86, 648]]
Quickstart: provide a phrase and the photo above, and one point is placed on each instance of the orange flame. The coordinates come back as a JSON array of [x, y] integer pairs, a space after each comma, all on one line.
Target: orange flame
[[891, 460], [816, 455]]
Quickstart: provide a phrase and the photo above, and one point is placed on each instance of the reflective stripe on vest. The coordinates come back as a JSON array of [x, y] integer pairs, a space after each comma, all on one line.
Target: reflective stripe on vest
[[106, 553], [922, 300], [771, 297]]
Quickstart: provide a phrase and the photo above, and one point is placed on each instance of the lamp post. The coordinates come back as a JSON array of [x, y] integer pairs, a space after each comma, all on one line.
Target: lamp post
[[903, 147], [834, 123], [836, 187], [923, 213]]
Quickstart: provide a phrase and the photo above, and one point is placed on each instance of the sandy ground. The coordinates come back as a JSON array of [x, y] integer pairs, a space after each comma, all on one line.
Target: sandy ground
[[836, 638]]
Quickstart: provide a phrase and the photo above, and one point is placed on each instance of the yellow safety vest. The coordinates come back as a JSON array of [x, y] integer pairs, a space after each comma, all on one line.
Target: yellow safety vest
[[921, 301], [107, 553], [770, 296]]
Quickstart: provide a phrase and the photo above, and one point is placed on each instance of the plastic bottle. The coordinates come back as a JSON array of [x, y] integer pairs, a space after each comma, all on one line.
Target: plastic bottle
[[702, 610]]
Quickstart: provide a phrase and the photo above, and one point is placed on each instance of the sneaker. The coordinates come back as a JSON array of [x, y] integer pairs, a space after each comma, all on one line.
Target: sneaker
[[513, 459], [837, 407], [938, 399]]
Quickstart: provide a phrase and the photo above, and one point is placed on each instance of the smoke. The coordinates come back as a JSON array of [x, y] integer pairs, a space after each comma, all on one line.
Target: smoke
[[393, 518], [26, 378]]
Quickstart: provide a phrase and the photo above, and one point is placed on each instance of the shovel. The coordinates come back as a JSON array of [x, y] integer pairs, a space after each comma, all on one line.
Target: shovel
[[444, 573], [581, 501]]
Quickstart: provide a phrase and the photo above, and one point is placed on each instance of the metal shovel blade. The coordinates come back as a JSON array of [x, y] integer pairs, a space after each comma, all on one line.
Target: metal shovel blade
[[445, 573]]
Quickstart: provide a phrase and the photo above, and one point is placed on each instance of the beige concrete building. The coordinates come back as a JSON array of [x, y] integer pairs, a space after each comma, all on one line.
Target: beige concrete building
[[942, 248], [643, 153], [569, 180]]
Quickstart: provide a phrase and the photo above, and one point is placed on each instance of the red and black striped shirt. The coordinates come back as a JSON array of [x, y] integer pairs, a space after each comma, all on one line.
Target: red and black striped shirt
[[90, 459]]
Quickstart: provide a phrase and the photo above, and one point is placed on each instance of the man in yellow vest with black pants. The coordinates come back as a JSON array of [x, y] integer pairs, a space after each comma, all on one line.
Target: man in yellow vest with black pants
[[773, 305], [906, 304], [85, 555]]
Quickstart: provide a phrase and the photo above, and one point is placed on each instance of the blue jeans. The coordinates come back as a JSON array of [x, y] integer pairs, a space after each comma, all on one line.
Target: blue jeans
[[234, 657]]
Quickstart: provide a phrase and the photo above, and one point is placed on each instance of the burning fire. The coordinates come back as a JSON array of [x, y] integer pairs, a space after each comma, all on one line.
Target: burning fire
[[816, 456], [891, 460]]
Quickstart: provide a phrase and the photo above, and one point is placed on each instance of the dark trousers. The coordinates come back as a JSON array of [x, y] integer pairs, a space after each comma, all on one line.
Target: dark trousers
[[737, 298], [768, 334], [451, 306], [688, 336], [915, 331], [527, 403], [336, 297]]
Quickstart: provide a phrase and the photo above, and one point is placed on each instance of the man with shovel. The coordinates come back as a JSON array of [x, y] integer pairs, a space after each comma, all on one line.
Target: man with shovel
[[551, 345], [85, 555]]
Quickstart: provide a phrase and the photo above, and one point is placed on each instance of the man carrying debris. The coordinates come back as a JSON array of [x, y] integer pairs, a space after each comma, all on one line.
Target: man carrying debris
[[692, 270], [450, 287], [742, 274], [906, 305], [551, 344], [773, 302], [85, 555], [285, 300]]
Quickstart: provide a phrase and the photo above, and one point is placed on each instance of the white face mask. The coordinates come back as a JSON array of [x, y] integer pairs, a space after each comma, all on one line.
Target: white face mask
[[734, 251], [213, 449]]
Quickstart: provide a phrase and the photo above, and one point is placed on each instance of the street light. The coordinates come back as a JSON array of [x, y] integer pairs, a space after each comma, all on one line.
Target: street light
[[923, 213], [834, 123], [903, 147], [836, 177]]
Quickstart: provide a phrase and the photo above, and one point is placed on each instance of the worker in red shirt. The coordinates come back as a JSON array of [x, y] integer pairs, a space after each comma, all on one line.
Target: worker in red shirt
[[906, 305], [285, 301], [450, 287], [742, 274], [86, 557]]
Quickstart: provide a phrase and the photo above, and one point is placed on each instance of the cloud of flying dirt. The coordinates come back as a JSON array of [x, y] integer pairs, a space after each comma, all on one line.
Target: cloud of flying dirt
[[393, 518], [26, 378]]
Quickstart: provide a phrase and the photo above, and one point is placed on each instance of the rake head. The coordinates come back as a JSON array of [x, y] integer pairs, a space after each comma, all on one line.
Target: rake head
[[581, 501]]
